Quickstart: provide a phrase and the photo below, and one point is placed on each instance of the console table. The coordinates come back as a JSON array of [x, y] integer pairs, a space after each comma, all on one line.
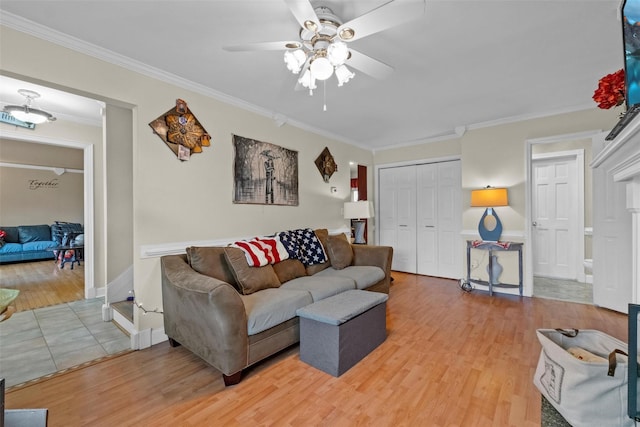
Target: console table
[[495, 247]]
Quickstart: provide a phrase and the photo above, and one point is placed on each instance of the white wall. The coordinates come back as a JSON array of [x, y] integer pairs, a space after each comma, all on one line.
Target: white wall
[[496, 156], [36, 196], [176, 201]]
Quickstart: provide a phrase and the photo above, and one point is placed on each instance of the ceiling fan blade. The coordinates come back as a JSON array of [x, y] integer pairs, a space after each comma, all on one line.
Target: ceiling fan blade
[[368, 65], [384, 17], [303, 12], [252, 47]]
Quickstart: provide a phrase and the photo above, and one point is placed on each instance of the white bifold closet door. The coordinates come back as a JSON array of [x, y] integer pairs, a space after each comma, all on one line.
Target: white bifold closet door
[[397, 215], [421, 217]]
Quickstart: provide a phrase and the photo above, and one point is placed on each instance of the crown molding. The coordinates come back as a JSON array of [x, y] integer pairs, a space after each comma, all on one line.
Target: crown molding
[[53, 36], [45, 33]]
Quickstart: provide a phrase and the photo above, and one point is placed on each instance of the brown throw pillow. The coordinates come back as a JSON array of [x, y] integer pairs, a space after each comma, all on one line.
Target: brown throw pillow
[[340, 252], [289, 269], [210, 261], [250, 279]]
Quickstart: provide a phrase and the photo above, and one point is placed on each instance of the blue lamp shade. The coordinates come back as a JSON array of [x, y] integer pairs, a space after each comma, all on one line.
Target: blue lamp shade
[[490, 227]]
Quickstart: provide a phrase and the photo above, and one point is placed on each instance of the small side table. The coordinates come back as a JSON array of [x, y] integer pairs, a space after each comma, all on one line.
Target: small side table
[[495, 247]]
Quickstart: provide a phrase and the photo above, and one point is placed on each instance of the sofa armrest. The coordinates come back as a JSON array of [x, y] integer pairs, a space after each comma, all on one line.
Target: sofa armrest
[[204, 314], [379, 256]]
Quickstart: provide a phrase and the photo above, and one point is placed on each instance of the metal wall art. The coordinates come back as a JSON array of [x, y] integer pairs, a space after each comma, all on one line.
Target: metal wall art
[[181, 131], [326, 164], [264, 173]]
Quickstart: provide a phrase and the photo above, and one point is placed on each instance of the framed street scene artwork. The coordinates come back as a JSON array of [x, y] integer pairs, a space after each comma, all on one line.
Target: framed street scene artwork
[[264, 173]]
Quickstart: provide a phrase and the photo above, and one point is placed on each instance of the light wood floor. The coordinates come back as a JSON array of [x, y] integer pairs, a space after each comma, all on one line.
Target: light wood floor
[[42, 283], [450, 359]]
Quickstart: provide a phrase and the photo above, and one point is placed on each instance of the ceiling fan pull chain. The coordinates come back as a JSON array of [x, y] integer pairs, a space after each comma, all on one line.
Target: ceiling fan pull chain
[[324, 87]]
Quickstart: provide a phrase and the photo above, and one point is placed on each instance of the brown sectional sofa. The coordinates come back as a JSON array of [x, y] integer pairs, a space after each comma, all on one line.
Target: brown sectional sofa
[[211, 309]]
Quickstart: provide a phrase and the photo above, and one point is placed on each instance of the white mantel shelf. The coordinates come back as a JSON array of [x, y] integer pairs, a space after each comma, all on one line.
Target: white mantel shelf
[[624, 142]]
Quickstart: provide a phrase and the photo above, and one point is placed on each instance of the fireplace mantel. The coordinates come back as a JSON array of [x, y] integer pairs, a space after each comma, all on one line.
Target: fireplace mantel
[[616, 219]]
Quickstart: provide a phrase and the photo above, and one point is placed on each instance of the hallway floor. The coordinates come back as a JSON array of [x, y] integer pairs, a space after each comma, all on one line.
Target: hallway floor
[[563, 290], [40, 342]]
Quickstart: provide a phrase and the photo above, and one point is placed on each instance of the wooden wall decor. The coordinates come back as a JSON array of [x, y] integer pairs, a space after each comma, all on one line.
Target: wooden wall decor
[[264, 173], [181, 131], [326, 164]]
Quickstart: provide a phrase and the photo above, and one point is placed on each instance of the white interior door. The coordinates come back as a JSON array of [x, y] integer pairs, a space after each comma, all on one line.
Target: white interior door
[[397, 222], [439, 219], [427, 219], [450, 250], [555, 202]]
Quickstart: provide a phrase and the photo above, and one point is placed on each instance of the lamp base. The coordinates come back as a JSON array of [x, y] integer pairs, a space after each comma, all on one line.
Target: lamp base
[[358, 232], [490, 227]]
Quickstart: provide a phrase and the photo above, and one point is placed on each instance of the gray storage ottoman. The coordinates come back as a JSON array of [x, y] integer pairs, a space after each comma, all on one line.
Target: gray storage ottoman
[[337, 332]]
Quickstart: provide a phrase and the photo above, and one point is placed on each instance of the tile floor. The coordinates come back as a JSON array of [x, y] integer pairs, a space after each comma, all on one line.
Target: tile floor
[[564, 290], [46, 340]]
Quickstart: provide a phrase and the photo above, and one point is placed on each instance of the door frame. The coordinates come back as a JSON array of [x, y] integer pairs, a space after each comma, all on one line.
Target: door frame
[[89, 275], [528, 247], [577, 157]]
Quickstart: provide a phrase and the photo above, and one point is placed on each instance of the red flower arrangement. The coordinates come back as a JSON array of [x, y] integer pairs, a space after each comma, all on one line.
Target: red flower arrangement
[[610, 92]]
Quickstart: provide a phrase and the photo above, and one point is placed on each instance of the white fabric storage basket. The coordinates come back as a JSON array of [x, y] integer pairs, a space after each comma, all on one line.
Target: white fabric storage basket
[[583, 392]]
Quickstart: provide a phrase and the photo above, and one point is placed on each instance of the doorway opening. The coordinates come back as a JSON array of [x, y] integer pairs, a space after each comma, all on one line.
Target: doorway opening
[[559, 217]]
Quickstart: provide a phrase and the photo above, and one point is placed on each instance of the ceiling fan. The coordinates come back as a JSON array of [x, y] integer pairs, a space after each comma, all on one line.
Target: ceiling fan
[[322, 49]]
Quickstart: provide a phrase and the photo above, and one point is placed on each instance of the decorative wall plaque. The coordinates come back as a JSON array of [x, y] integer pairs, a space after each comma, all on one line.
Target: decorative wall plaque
[[326, 164], [181, 131]]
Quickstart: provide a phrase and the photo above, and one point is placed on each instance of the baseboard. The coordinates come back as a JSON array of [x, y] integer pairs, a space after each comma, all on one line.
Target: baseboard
[[147, 337]]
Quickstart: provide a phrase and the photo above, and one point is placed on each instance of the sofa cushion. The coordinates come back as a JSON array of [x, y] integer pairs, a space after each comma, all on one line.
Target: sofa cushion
[[12, 235], [11, 248], [289, 269], [40, 245], [321, 287], [270, 307], [211, 261], [250, 279], [363, 275], [33, 233], [340, 252]]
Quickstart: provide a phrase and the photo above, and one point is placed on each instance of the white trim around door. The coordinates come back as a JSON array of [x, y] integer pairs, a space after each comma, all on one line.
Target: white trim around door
[[90, 291]]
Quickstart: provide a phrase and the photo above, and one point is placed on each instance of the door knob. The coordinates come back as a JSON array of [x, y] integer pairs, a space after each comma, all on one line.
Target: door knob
[[535, 224]]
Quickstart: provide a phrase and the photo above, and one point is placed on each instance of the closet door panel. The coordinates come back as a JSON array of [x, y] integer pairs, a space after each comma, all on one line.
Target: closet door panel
[[450, 248], [427, 231], [398, 215]]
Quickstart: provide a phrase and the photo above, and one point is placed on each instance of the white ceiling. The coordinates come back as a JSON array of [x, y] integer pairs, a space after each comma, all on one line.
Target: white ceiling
[[463, 63]]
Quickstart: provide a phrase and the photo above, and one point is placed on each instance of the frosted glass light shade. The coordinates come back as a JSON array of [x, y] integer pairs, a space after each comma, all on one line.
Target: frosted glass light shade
[[295, 60], [307, 80], [337, 52], [321, 68], [343, 74]]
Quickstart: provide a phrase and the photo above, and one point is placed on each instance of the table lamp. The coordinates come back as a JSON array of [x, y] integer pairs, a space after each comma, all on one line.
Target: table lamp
[[490, 227], [358, 211]]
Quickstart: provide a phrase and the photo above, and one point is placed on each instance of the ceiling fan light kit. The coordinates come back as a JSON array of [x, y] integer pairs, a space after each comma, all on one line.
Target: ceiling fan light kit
[[26, 113], [323, 51]]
